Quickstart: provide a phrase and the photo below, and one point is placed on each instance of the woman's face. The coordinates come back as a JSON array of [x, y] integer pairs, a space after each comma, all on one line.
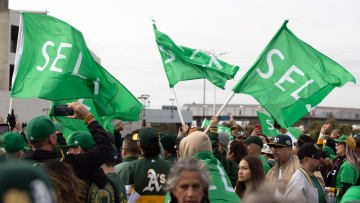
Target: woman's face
[[340, 149], [244, 173], [189, 188]]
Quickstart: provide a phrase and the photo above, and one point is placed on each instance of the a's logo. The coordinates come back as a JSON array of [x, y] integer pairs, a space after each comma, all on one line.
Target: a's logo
[[288, 142], [153, 181], [276, 140]]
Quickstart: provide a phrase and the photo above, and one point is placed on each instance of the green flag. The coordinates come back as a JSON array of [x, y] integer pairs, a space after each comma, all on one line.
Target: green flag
[[54, 63], [294, 132], [205, 123], [267, 125], [71, 125], [222, 128], [182, 63], [290, 78]]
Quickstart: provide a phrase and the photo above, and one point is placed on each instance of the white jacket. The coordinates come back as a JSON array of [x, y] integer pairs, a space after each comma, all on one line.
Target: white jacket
[[301, 188]]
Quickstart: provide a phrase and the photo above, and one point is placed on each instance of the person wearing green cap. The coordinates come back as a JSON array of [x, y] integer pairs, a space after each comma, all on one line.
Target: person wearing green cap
[[21, 182], [79, 142], [149, 174], [169, 144], [348, 172], [254, 144], [42, 137], [82, 142], [14, 144]]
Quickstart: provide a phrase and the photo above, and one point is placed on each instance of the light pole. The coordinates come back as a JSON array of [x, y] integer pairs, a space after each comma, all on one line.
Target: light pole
[[216, 56], [144, 101], [172, 107]]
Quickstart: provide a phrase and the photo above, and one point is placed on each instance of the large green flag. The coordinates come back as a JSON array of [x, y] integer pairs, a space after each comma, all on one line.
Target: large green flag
[[267, 125], [182, 63], [71, 125], [54, 63], [290, 78]]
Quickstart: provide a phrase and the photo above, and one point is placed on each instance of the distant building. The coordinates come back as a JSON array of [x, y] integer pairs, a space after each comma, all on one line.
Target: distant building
[[246, 113]]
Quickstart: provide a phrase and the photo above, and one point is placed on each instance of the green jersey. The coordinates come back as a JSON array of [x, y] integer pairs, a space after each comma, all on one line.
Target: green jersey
[[351, 195], [265, 164], [124, 163], [146, 178], [347, 174], [119, 186]]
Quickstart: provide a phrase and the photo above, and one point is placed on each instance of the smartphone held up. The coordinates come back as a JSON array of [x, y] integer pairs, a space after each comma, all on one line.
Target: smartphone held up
[[62, 110]]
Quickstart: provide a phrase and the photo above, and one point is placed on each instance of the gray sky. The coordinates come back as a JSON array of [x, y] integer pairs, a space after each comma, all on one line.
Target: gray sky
[[120, 33]]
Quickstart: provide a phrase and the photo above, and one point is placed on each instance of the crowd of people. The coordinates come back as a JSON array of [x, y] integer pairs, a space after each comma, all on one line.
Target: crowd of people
[[39, 165]]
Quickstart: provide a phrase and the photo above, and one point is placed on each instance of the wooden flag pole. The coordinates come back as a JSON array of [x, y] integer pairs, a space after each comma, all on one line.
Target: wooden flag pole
[[221, 109], [178, 107]]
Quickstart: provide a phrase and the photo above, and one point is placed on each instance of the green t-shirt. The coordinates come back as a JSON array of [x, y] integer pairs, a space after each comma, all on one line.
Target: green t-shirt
[[266, 165], [119, 186], [351, 195], [347, 174], [321, 193]]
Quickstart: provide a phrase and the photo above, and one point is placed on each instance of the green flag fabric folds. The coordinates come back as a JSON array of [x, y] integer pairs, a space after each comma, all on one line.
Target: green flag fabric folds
[[183, 63], [290, 78], [267, 125], [54, 63]]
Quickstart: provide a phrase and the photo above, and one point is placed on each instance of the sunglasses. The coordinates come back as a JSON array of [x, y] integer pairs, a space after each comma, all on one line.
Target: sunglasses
[[277, 147]]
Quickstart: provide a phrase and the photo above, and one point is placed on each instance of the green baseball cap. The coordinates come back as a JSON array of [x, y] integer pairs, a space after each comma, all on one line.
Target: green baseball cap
[[281, 141], [39, 128], [146, 136], [348, 140], [169, 143], [81, 139], [25, 183], [13, 142], [255, 140]]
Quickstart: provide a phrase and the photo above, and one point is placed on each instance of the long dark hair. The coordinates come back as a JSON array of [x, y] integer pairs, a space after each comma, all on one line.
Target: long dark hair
[[66, 182], [237, 150], [257, 175]]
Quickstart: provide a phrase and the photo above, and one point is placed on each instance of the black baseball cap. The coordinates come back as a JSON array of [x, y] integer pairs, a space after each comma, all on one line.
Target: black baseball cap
[[309, 150], [281, 141]]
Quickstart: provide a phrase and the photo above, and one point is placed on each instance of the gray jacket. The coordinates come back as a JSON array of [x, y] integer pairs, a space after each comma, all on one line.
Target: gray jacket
[[301, 188]]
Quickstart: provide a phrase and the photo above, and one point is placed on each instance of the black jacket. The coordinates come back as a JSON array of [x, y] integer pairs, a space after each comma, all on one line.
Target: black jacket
[[86, 165]]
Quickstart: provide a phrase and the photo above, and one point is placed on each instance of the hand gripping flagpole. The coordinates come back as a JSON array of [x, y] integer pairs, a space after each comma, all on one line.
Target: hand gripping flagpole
[[221, 109], [178, 107], [17, 58]]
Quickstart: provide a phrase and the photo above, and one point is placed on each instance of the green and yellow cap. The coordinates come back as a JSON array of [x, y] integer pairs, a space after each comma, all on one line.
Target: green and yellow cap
[[146, 136], [348, 140], [169, 143]]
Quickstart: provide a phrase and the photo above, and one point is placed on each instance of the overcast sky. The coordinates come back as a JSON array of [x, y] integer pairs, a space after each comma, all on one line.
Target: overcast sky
[[120, 33]]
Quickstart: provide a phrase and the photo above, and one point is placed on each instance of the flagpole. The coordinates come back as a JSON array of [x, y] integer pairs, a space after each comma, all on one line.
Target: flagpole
[[221, 109], [178, 107], [17, 56]]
